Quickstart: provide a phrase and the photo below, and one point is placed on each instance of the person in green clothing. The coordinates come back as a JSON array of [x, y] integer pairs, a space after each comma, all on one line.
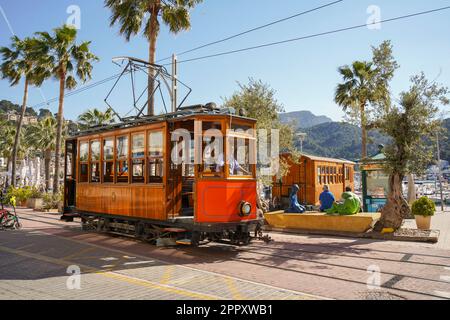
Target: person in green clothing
[[351, 204]]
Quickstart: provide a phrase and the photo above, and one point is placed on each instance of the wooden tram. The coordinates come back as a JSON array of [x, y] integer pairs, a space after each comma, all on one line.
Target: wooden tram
[[311, 173], [122, 178]]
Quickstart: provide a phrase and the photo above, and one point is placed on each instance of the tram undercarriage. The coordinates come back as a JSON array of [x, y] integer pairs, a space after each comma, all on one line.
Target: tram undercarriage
[[177, 231]]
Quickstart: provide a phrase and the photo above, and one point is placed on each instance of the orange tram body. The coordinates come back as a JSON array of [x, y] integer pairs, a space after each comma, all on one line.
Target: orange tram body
[[121, 178]]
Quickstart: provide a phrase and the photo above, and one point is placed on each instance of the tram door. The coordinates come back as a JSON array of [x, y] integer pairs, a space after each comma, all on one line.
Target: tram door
[[181, 172], [70, 176]]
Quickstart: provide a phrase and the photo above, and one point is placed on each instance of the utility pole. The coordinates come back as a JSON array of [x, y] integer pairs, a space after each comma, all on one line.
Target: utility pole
[[174, 83], [440, 170]]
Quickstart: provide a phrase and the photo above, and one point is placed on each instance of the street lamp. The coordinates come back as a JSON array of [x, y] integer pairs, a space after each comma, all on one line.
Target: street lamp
[[301, 137]]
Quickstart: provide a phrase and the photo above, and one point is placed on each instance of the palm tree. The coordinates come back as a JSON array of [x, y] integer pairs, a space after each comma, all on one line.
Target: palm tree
[[95, 117], [66, 61], [130, 14], [21, 61], [356, 92], [7, 138], [42, 137]]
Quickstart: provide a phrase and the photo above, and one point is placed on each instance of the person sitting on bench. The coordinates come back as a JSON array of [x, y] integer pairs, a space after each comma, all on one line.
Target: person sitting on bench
[[351, 204], [294, 206], [326, 199]]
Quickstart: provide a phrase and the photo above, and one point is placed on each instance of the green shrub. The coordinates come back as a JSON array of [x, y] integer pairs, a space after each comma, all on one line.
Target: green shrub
[[423, 207], [51, 201], [21, 194], [35, 193]]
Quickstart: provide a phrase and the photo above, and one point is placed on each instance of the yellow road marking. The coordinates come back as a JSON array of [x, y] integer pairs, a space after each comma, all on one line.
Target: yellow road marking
[[167, 275], [233, 290], [26, 246], [82, 239], [113, 275]]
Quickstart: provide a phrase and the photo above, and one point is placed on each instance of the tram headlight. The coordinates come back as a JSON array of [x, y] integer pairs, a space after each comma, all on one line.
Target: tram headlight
[[245, 209]]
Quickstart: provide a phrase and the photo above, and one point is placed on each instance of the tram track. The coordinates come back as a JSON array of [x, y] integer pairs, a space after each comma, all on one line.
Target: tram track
[[313, 262], [342, 254], [387, 285]]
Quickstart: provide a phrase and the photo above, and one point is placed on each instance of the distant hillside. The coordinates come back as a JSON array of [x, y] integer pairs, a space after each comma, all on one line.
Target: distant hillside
[[303, 119], [7, 106], [343, 140], [339, 140]]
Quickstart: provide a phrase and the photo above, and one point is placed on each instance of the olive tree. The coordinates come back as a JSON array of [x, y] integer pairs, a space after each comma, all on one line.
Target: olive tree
[[410, 125]]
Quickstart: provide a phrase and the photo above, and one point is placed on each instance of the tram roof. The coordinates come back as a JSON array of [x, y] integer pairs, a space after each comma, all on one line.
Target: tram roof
[[182, 115]]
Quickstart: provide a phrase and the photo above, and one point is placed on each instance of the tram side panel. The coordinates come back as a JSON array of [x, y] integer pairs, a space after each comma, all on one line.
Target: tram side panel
[[136, 201], [219, 201]]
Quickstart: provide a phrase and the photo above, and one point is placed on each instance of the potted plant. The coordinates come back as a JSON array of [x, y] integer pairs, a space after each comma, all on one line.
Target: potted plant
[[35, 200], [423, 209]]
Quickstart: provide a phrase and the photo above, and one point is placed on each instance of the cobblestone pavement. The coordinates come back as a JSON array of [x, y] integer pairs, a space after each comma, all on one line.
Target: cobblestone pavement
[[34, 262]]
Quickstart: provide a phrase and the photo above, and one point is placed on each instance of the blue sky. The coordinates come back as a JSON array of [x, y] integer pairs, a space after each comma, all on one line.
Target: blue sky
[[303, 73]]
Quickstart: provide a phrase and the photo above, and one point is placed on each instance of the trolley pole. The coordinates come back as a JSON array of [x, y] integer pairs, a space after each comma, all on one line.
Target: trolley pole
[[440, 170], [174, 83]]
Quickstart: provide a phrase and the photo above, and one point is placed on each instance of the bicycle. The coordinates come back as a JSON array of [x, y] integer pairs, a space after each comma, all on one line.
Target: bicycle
[[8, 219]]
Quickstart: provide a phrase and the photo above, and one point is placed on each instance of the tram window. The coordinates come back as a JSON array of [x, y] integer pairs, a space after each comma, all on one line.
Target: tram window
[[213, 161], [122, 159], [212, 149], [108, 172], [155, 170], [95, 172], [240, 127], [138, 158], [108, 160], [108, 149], [122, 171], [122, 147], [155, 157], [137, 150], [239, 157], [84, 151], [84, 172], [95, 150], [138, 171], [69, 163]]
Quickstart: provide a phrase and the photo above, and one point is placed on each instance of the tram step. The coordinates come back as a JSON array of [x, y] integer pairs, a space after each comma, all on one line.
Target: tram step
[[184, 242]]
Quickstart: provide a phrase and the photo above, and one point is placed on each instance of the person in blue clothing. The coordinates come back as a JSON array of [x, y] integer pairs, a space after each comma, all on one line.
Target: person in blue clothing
[[326, 199], [294, 206]]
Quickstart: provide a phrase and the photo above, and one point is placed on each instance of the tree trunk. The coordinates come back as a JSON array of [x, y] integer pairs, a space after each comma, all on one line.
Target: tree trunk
[[7, 182], [47, 162], [60, 123], [396, 208], [363, 131], [154, 11], [16, 145]]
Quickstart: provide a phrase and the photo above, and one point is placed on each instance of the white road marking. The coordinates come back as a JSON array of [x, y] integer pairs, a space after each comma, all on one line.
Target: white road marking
[[443, 294], [137, 262], [109, 259], [445, 278]]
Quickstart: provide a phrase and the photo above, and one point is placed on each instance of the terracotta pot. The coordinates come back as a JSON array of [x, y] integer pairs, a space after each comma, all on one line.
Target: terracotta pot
[[423, 223]]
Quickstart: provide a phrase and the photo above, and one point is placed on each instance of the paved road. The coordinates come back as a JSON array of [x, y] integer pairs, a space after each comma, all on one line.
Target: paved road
[[34, 264]]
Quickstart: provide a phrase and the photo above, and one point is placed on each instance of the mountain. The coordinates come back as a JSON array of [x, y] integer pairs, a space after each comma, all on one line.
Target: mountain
[[339, 140], [7, 107], [303, 119], [343, 140]]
